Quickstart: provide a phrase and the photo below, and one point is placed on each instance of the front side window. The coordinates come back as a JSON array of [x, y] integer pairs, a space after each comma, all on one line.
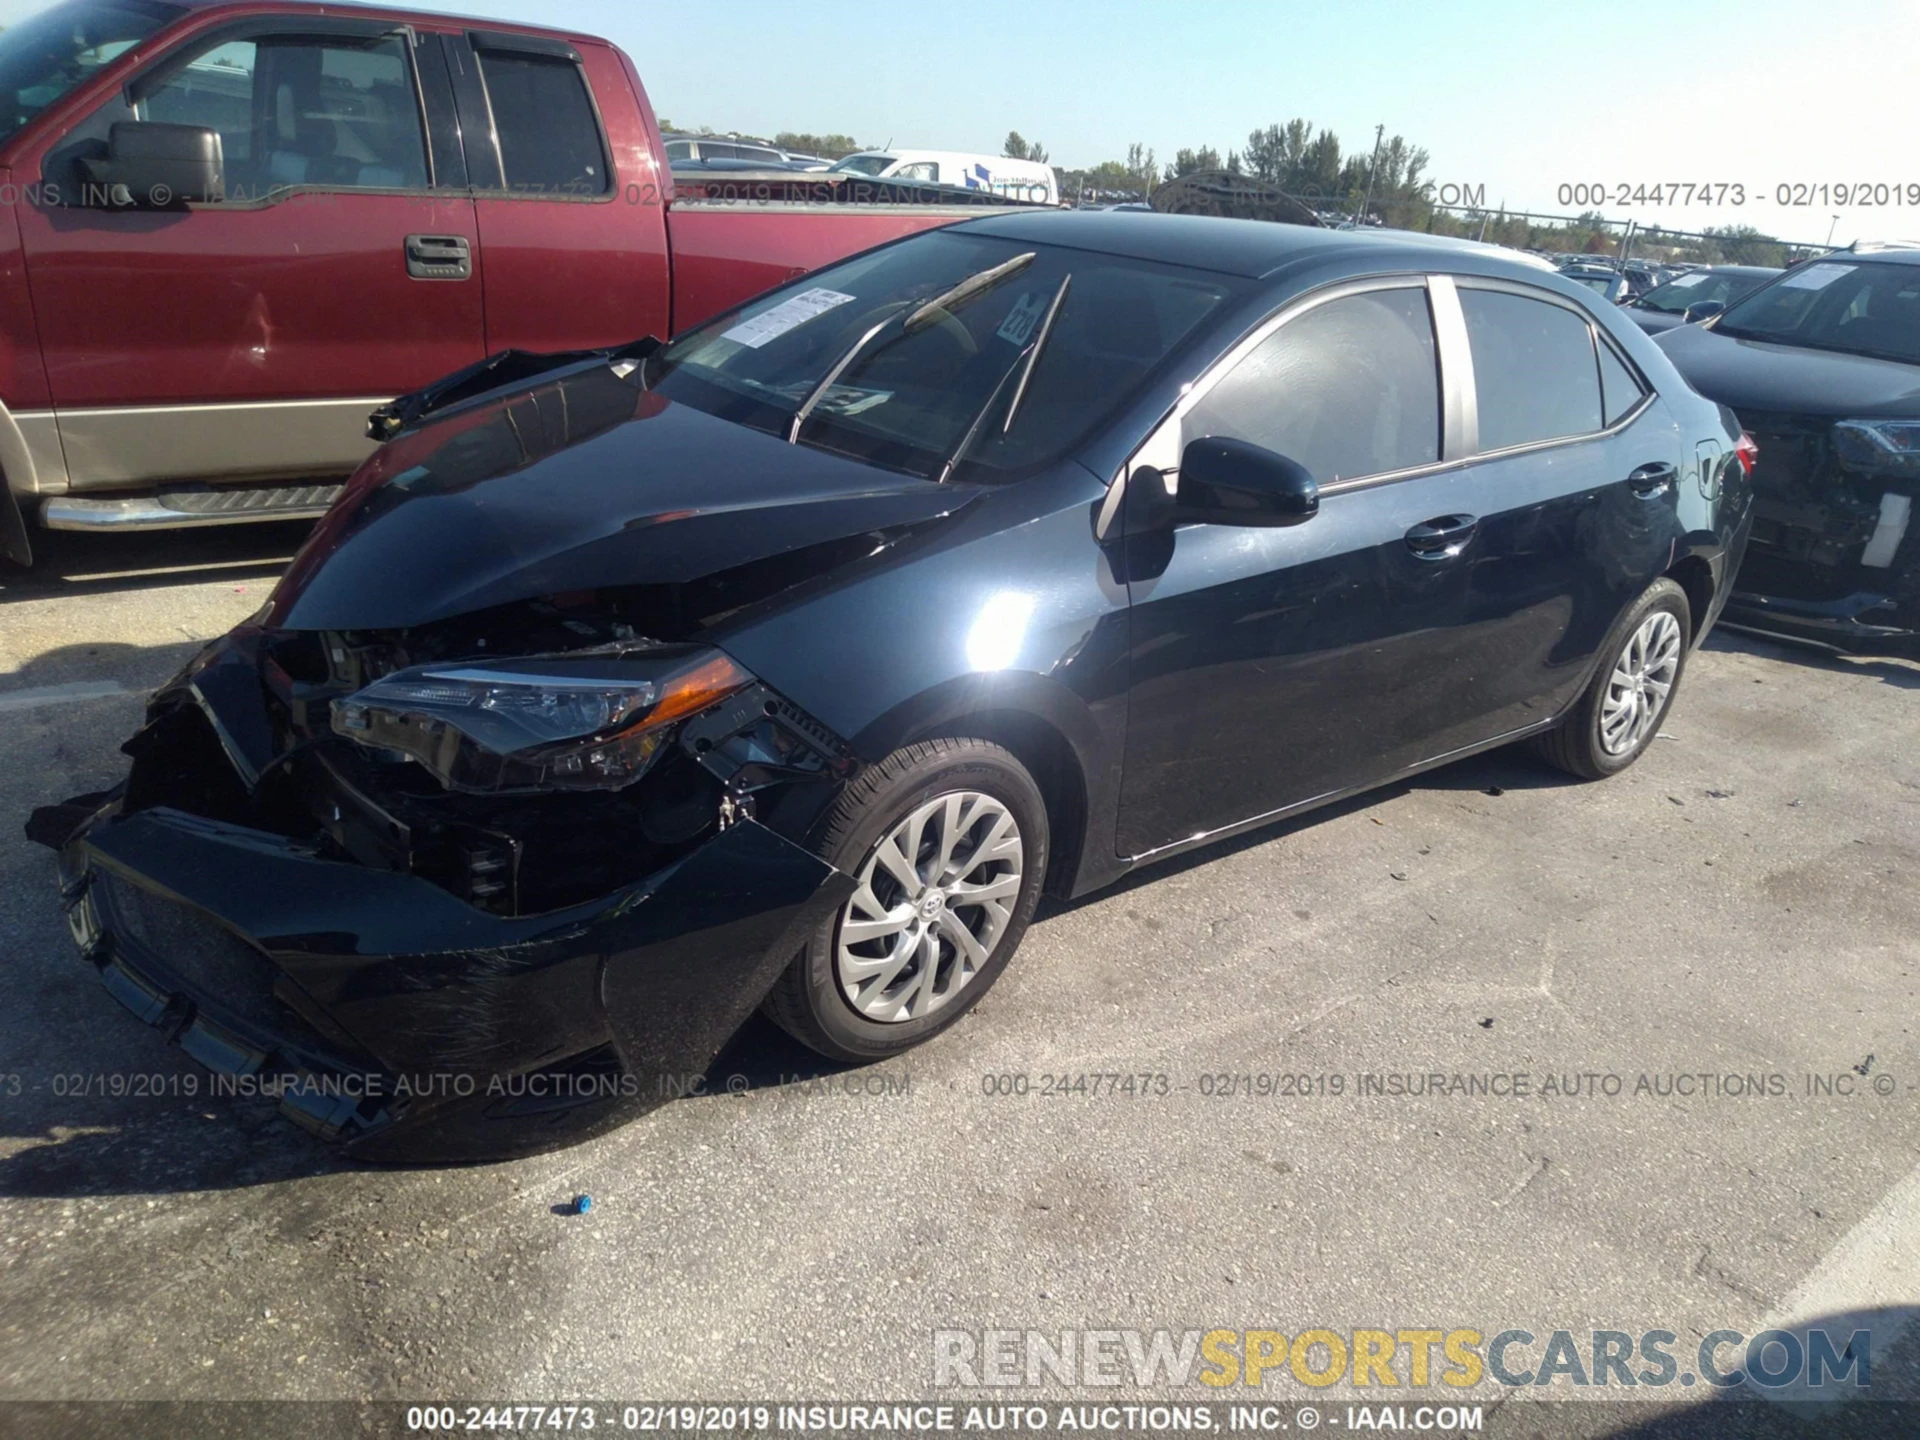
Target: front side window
[[1533, 369], [920, 170], [299, 111], [49, 54], [864, 164], [1347, 389], [549, 135], [949, 354]]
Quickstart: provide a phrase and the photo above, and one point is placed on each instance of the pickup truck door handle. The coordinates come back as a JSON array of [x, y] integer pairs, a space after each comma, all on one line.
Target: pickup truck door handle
[[1441, 538], [1651, 481], [439, 257]]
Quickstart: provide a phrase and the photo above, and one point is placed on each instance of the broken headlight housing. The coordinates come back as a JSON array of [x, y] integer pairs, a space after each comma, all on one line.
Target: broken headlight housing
[[1879, 447], [547, 723]]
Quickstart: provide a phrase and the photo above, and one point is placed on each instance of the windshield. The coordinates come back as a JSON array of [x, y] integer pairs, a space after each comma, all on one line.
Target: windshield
[[44, 57], [864, 164], [1871, 309], [1029, 348], [1699, 287]]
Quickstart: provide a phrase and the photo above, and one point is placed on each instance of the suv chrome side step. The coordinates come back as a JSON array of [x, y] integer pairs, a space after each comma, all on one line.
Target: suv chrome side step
[[177, 509]]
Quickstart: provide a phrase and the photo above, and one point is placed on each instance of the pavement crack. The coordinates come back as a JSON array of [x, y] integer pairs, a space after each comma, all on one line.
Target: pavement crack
[[1703, 1271], [1536, 1167]]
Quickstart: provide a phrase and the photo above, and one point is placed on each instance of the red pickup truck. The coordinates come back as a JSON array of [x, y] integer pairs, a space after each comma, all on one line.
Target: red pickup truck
[[229, 229]]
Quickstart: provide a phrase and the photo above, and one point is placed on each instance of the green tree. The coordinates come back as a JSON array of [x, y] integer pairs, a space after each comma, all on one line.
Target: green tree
[[828, 147], [1019, 149], [1189, 162]]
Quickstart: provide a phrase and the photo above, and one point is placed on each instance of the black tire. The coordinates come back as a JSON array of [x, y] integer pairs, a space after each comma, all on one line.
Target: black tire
[[1574, 745], [807, 1000]]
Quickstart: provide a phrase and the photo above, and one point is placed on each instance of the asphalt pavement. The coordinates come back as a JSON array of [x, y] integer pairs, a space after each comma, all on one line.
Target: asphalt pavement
[[1743, 904]]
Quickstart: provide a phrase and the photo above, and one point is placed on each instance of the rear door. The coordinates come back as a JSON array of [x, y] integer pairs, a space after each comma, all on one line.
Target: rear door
[[568, 200], [247, 338], [1577, 479], [1272, 667]]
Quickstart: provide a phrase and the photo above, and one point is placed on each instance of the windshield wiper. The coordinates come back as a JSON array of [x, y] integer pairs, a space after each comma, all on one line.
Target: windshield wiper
[[1022, 366], [971, 288], [834, 372], [917, 320]]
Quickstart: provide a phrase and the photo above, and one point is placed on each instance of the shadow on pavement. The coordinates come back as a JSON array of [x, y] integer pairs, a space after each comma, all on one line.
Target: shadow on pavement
[[72, 563], [1901, 674]]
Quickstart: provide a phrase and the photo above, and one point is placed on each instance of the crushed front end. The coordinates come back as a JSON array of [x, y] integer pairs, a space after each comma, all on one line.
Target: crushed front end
[[460, 890], [1835, 551]]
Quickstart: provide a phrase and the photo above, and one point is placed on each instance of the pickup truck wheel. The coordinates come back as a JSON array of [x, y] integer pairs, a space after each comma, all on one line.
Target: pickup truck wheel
[[1619, 713], [947, 843]]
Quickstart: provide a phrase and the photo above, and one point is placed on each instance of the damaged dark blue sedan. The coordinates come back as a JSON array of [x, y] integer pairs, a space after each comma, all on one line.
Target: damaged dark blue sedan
[[787, 665]]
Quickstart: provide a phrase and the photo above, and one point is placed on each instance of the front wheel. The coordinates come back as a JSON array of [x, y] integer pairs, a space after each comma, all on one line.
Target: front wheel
[[946, 841], [1619, 713]]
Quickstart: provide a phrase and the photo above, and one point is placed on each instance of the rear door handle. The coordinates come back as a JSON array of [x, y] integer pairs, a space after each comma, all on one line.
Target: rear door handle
[[1651, 481], [1441, 538], [439, 257]]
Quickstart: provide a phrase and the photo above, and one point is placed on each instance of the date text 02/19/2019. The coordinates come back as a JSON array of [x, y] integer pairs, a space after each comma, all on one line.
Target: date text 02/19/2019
[[1734, 194]]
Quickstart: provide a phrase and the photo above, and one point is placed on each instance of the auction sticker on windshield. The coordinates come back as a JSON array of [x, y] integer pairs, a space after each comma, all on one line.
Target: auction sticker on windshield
[[1814, 277], [1018, 325], [771, 324]]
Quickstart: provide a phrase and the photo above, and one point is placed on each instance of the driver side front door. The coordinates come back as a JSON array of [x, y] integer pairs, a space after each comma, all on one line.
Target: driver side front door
[[1269, 668]]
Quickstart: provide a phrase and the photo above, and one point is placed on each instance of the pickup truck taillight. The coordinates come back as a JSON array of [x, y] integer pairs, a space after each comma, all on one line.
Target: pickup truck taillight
[[1748, 453]]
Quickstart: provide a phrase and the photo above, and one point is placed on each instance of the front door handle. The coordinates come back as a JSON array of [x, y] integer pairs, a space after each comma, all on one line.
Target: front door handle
[[439, 257], [1651, 481], [1441, 538]]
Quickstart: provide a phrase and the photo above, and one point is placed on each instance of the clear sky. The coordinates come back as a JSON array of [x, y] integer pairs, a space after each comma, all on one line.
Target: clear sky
[[1520, 98]]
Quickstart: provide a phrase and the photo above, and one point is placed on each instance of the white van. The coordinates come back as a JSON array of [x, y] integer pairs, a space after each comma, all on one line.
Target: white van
[[1017, 179]]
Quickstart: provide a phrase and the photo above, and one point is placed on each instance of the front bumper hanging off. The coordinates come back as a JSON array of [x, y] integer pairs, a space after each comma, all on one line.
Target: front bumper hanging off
[[391, 1016]]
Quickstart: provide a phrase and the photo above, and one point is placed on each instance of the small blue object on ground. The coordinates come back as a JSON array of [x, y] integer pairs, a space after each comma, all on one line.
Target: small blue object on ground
[[582, 1204]]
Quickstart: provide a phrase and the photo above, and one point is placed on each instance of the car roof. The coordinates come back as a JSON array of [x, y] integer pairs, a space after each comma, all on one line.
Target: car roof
[[1250, 248], [1889, 256]]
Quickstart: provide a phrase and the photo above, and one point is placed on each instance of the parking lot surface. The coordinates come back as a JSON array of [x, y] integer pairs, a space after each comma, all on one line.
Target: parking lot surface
[[1745, 902]]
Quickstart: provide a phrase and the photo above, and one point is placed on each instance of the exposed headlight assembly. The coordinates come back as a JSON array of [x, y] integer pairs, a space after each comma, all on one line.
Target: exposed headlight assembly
[[1879, 447], [538, 724]]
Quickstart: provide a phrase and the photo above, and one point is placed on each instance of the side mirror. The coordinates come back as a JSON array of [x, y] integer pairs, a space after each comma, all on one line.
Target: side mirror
[[1229, 482], [153, 166], [1701, 310]]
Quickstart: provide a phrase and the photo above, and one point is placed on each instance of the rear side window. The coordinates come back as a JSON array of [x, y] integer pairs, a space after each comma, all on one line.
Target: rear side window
[[1347, 389], [549, 135], [1619, 391], [1533, 369]]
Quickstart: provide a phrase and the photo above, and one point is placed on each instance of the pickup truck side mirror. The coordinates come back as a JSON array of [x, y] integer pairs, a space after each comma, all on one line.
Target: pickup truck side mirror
[[1229, 482], [153, 166], [1701, 310]]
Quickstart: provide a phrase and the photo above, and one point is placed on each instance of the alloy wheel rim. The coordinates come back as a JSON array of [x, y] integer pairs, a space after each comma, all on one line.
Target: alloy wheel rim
[[1641, 681], [933, 902]]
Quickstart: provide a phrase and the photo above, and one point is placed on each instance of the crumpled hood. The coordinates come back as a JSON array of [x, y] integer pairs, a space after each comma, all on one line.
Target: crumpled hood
[[1753, 375], [583, 483]]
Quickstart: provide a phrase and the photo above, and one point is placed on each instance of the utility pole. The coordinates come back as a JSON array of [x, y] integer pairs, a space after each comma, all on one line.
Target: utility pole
[[1830, 229], [1372, 170]]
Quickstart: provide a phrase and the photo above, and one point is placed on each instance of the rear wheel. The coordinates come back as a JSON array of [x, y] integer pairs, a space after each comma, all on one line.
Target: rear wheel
[[946, 841], [1619, 713]]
